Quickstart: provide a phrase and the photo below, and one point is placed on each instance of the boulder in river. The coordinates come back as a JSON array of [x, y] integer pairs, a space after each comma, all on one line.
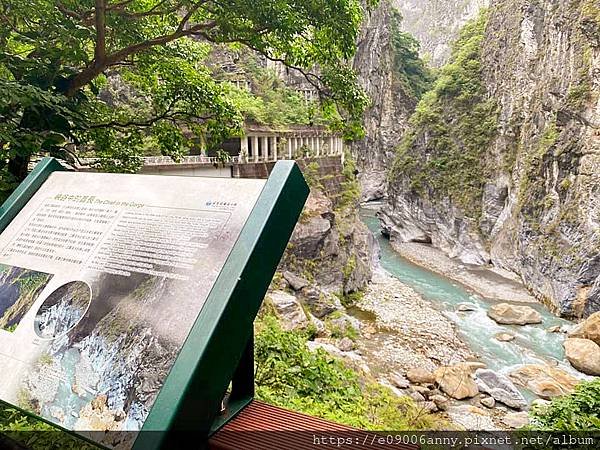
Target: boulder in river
[[428, 406], [399, 381], [466, 307], [504, 337], [440, 401], [500, 388], [417, 397], [543, 380], [576, 331], [507, 314], [591, 328], [488, 402], [345, 344], [288, 310], [456, 381], [584, 355], [420, 376], [321, 330]]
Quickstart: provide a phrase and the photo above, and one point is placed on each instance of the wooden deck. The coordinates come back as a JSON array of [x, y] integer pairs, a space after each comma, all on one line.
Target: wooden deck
[[264, 427]]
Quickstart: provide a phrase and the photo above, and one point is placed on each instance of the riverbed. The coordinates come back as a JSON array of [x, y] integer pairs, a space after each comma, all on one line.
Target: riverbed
[[533, 343]]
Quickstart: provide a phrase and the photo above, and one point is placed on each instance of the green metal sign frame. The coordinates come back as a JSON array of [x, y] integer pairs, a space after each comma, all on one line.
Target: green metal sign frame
[[219, 348]]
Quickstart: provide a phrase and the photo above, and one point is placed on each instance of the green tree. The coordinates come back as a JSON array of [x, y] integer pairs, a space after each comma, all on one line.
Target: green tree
[[409, 68], [57, 56]]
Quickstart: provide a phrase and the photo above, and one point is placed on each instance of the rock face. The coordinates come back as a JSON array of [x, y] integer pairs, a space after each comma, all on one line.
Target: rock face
[[419, 375], [386, 120], [544, 381], [584, 355], [508, 314], [330, 246], [535, 211], [591, 328], [456, 381], [435, 23], [500, 388], [288, 310]]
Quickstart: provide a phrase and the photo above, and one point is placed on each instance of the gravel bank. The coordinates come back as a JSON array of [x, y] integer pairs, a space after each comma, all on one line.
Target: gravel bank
[[408, 331], [493, 284]]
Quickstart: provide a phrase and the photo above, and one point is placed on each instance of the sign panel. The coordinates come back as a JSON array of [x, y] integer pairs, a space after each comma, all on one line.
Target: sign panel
[[101, 278]]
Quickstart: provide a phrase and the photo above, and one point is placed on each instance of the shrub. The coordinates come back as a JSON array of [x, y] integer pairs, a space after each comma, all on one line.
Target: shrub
[[35, 434], [409, 69], [291, 376], [579, 411]]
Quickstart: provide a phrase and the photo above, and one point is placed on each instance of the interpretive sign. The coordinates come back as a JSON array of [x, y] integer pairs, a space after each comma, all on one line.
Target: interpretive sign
[[103, 278]]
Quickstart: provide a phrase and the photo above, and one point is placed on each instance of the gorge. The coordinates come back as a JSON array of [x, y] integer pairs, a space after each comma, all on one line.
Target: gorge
[[499, 164], [445, 271], [489, 179]]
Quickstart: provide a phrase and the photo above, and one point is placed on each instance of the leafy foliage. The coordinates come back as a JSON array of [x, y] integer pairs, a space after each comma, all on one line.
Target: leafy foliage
[[289, 375], [409, 68], [350, 196], [271, 102], [579, 411], [36, 434], [113, 79], [444, 152]]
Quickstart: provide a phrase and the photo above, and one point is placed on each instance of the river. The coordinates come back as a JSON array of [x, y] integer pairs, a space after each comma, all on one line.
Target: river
[[533, 343]]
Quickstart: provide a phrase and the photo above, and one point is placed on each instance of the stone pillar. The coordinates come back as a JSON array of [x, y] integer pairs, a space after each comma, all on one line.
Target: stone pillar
[[255, 148], [244, 149], [318, 146], [264, 142], [331, 144], [273, 146], [289, 147]]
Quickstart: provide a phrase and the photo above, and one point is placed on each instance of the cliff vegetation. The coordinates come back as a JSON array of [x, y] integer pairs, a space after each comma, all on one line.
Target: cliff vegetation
[[453, 125]]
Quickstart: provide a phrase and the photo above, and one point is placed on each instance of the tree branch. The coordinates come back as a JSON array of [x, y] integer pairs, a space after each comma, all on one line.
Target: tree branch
[[154, 11], [167, 114], [100, 22], [119, 5], [84, 16], [101, 63], [313, 79]]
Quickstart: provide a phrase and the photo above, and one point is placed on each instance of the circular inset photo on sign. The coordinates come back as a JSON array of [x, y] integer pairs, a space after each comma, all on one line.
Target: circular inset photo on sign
[[63, 309]]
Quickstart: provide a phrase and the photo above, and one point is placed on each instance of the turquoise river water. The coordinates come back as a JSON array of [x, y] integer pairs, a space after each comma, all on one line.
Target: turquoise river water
[[533, 344]]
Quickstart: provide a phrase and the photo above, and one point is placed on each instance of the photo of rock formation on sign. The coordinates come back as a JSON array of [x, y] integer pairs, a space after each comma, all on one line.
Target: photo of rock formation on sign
[[62, 309], [19, 289], [102, 366]]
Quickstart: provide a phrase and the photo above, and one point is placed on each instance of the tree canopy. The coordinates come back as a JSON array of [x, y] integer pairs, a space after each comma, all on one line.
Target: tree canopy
[[60, 60]]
